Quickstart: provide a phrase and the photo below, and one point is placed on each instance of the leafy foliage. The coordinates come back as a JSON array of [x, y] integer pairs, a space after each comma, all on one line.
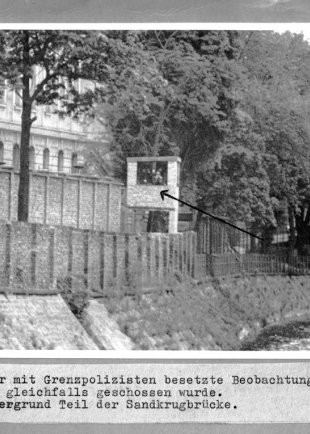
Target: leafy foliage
[[233, 105], [277, 99], [75, 293], [167, 93], [42, 66]]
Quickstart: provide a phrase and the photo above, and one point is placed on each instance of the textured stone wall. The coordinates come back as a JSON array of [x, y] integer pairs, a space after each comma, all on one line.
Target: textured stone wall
[[63, 200], [40, 322], [38, 256]]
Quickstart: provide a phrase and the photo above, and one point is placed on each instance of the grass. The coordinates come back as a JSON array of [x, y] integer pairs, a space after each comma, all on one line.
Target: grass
[[218, 314]]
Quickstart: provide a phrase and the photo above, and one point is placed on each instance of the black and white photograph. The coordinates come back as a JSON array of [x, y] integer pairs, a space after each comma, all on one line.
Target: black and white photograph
[[154, 189]]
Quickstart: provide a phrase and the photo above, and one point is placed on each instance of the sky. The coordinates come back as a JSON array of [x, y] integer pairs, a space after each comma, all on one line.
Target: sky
[[154, 11], [280, 15]]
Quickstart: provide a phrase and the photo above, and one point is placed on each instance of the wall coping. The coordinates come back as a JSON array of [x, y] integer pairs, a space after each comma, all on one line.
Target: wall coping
[[168, 158], [47, 174], [65, 228]]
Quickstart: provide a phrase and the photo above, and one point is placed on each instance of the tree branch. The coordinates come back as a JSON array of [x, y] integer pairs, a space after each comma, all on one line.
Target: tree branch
[[41, 85], [158, 40]]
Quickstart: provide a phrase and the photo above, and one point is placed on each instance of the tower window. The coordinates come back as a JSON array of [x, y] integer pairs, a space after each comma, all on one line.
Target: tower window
[[46, 159], [152, 172]]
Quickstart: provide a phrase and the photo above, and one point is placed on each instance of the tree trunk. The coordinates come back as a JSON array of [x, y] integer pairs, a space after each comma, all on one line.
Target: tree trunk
[[303, 233], [292, 237], [24, 179], [23, 191]]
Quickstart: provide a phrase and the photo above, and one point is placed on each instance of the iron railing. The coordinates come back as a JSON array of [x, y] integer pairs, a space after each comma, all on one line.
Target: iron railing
[[225, 250]]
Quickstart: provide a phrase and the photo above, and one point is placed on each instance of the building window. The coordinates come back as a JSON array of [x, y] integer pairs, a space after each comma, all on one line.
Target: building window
[[74, 161], [1, 153], [46, 159], [16, 157], [31, 158], [17, 99], [3, 95], [152, 172], [60, 161]]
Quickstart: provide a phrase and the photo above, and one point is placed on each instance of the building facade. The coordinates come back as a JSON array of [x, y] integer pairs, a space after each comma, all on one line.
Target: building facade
[[58, 143], [62, 192]]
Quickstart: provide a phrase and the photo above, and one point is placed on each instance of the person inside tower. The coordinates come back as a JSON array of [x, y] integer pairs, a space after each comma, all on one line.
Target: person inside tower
[[158, 178]]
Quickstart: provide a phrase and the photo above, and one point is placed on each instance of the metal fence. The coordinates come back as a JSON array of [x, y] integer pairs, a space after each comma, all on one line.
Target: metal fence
[[224, 250], [223, 265]]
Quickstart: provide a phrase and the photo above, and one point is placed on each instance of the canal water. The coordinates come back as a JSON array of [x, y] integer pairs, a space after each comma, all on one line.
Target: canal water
[[291, 336]]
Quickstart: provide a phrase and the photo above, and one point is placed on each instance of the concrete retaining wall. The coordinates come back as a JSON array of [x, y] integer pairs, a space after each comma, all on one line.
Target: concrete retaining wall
[[39, 256]]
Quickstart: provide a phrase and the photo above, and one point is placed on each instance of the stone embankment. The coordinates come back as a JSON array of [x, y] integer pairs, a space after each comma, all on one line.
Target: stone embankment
[[32, 322], [246, 313]]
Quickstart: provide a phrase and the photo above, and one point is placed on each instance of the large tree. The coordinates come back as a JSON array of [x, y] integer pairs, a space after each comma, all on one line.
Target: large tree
[[167, 92], [277, 98], [233, 105], [62, 57]]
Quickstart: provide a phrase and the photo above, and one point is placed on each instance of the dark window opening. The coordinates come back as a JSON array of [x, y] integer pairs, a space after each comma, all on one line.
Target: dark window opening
[[152, 172], [18, 99], [46, 159], [1, 153], [150, 221], [16, 157], [74, 162], [158, 221], [31, 158], [60, 165]]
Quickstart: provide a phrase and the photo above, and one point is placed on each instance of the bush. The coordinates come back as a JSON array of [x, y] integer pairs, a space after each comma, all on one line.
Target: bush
[[74, 291]]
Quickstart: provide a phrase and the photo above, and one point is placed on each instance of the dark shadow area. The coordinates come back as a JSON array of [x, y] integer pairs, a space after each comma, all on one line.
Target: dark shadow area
[[274, 336]]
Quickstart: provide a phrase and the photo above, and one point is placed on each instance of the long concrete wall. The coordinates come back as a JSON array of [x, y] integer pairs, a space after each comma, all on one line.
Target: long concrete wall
[[38, 256], [75, 201]]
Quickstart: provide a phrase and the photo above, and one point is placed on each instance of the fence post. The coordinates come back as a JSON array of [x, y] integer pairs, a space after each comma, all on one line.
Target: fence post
[[194, 253], [108, 206], [151, 256], [8, 257], [10, 196], [101, 261], [167, 255], [51, 254], [33, 255], [86, 259], [79, 201], [211, 261], [94, 205], [142, 254]]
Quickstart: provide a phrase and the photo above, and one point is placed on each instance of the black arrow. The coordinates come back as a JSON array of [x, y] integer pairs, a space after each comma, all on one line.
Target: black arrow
[[164, 193]]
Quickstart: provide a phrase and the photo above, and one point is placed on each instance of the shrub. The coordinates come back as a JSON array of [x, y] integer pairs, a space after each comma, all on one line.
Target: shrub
[[74, 291]]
